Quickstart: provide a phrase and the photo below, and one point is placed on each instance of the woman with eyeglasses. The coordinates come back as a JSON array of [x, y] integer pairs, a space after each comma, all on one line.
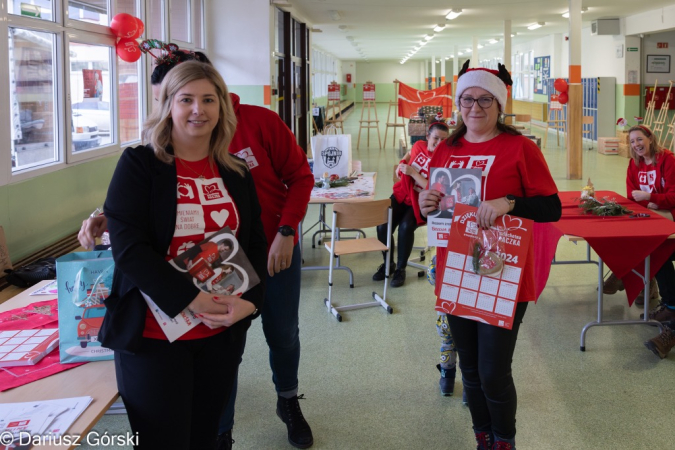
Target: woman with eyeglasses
[[516, 180]]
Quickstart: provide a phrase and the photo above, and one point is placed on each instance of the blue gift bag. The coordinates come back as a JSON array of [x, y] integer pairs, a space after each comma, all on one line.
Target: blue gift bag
[[84, 280]]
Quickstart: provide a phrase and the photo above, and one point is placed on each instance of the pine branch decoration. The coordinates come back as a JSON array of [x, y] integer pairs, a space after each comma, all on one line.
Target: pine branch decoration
[[606, 207]]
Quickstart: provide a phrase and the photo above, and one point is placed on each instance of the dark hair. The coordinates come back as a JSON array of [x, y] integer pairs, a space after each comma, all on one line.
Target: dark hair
[[441, 126], [453, 139], [180, 56]]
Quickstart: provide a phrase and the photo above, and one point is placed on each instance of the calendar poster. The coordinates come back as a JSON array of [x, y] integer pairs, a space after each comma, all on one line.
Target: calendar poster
[[368, 92], [490, 298]]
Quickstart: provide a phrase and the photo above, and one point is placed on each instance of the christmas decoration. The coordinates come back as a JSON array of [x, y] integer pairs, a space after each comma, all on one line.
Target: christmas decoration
[[604, 207], [588, 190]]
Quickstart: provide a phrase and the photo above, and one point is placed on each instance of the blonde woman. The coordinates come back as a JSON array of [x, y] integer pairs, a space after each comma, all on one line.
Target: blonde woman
[[164, 197]]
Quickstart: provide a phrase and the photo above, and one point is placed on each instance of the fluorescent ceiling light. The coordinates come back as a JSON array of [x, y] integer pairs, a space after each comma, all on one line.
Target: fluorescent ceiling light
[[493, 41], [451, 56], [334, 15], [566, 14], [440, 27], [460, 53], [423, 42], [453, 14], [350, 38], [514, 35], [534, 26], [438, 61], [343, 28], [447, 58], [480, 46], [428, 37], [469, 50]]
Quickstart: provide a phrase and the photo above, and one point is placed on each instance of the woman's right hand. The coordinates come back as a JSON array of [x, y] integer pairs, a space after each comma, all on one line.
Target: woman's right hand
[[205, 302], [92, 228], [429, 200]]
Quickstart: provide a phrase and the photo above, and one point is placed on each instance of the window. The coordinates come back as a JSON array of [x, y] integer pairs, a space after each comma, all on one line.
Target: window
[[324, 70], [523, 75], [71, 99]]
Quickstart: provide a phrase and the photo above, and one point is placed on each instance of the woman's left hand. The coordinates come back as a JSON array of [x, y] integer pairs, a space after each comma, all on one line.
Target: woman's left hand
[[238, 309], [652, 205], [489, 210], [641, 196]]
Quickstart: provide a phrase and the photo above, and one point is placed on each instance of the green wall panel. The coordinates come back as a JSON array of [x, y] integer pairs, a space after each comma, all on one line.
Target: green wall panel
[[37, 212], [251, 95]]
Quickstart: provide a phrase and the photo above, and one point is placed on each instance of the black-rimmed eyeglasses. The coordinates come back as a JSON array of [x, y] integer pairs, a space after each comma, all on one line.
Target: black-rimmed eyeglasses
[[483, 102]]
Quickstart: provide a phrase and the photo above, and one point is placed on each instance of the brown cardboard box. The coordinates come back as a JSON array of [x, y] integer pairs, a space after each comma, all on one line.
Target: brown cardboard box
[[624, 150], [623, 135]]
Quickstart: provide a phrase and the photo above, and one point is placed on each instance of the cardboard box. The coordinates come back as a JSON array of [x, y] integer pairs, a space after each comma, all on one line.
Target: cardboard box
[[624, 150], [623, 135], [608, 145]]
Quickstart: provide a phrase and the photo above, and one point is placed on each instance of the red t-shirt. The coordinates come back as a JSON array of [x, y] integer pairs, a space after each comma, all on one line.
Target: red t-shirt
[[204, 207], [511, 165]]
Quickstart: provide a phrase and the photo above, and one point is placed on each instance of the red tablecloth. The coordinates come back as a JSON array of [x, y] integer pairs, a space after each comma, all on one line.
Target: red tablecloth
[[622, 242]]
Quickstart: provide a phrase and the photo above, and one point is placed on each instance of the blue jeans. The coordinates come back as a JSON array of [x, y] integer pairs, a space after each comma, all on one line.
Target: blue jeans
[[485, 355], [280, 325]]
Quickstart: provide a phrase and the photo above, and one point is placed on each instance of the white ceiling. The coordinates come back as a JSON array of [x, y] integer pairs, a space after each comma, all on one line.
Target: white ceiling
[[389, 29]]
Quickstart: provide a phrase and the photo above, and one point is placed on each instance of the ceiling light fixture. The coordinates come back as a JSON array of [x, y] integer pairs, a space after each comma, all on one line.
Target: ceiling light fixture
[[493, 41], [428, 37], [334, 15], [350, 38], [534, 26], [566, 14], [480, 46], [514, 35], [453, 14], [447, 58], [440, 27], [451, 56], [460, 53], [423, 42]]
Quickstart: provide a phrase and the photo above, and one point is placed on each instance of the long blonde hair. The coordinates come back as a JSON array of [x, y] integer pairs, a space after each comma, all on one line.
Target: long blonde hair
[[654, 149], [157, 129]]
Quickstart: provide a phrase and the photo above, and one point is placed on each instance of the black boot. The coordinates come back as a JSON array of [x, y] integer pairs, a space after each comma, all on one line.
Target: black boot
[[225, 441], [299, 432], [447, 381]]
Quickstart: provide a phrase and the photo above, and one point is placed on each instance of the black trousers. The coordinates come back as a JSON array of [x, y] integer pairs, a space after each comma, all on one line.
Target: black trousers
[[485, 356], [174, 392], [403, 217]]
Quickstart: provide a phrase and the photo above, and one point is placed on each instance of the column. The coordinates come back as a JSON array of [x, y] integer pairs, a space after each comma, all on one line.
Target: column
[[455, 72], [433, 72], [575, 95], [508, 108], [443, 63], [474, 53]]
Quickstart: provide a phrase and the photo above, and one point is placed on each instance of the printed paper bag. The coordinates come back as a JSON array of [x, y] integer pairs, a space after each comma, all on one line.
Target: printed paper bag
[[332, 154], [84, 280]]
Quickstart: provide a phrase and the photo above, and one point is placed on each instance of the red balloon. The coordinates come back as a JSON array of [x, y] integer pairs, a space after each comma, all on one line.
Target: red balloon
[[560, 85], [563, 98], [128, 50], [124, 26], [141, 28]]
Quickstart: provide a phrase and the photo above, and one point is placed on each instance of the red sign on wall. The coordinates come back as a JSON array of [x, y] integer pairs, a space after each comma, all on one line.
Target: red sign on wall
[[369, 92], [660, 97], [661, 45]]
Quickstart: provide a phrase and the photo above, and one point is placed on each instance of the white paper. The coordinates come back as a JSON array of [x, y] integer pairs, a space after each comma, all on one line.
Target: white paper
[[48, 289], [176, 327]]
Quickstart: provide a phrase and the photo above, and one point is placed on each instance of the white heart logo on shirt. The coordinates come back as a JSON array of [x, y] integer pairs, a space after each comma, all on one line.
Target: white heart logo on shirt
[[220, 217]]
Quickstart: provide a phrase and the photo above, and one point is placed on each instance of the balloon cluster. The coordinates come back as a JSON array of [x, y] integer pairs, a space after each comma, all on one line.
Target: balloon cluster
[[560, 85], [127, 28]]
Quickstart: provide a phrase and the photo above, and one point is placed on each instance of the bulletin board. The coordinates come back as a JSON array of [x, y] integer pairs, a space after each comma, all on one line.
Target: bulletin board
[[542, 72]]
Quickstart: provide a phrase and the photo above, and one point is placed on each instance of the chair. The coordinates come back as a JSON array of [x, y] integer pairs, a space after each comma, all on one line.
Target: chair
[[590, 121], [358, 215], [524, 118]]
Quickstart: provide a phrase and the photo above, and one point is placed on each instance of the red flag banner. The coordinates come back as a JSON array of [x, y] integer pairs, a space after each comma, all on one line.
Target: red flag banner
[[410, 99]]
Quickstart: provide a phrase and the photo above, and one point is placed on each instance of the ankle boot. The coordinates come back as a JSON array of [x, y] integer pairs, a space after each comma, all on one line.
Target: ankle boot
[[612, 284], [653, 293], [661, 344], [483, 440], [447, 381], [299, 432]]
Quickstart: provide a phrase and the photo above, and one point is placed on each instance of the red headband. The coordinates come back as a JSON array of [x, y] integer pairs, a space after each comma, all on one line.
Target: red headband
[[445, 125], [647, 131]]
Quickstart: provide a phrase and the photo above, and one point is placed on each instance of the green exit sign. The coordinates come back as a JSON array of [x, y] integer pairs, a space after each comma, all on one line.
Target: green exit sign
[[632, 49]]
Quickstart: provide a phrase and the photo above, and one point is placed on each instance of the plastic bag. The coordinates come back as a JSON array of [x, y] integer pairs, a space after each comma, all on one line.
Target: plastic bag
[[485, 249]]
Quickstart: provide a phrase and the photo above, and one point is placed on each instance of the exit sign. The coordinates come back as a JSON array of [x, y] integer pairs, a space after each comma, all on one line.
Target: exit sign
[[661, 45], [631, 49]]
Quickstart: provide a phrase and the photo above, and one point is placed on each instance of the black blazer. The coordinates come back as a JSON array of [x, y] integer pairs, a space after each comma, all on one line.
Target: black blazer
[[141, 210]]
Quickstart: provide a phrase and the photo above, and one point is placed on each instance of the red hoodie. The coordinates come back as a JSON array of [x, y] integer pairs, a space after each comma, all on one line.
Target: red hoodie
[[279, 167], [657, 178]]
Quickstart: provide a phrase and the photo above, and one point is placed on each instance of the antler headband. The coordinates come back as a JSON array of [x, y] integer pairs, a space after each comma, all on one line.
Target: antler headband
[[168, 50]]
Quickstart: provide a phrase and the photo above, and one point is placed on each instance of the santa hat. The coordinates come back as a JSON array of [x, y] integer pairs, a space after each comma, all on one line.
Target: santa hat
[[493, 81]]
